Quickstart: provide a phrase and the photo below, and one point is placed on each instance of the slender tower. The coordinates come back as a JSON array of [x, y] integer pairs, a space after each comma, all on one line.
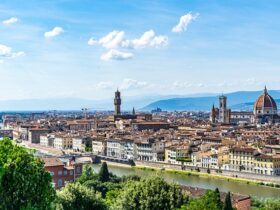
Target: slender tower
[[223, 109], [117, 102]]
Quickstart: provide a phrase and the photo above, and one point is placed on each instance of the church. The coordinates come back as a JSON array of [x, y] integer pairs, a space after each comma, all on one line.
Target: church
[[264, 111]]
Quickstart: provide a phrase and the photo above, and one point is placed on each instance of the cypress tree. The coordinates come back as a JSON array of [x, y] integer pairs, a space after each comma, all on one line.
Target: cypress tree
[[227, 203], [104, 173], [218, 199]]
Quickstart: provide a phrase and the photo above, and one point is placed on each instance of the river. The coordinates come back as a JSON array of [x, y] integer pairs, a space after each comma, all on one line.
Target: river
[[201, 182]]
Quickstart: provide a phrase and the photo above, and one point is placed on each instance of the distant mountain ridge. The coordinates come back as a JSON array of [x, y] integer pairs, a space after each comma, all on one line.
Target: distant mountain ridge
[[241, 100]]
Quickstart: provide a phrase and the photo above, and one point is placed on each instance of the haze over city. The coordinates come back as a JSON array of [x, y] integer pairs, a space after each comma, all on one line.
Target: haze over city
[[88, 49]]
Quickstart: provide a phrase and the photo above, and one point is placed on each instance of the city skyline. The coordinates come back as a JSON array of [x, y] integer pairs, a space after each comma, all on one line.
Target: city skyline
[[90, 48]]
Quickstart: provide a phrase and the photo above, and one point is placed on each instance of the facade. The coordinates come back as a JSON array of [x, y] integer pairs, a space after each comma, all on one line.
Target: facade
[[242, 159], [210, 161], [99, 147], [173, 153], [267, 165], [149, 150], [155, 126], [63, 142], [81, 143], [120, 148], [81, 125], [46, 140], [34, 134], [62, 172], [242, 117]]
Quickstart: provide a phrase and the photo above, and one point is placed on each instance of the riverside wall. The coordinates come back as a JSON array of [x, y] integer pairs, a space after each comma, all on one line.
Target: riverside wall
[[226, 173]]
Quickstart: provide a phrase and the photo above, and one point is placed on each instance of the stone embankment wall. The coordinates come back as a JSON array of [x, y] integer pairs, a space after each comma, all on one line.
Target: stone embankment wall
[[159, 165]]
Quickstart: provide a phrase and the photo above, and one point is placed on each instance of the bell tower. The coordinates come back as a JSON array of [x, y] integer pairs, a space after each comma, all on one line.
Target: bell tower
[[117, 102]]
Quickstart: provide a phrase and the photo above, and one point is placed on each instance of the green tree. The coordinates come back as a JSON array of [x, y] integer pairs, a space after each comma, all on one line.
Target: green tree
[[151, 193], [210, 200], [24, 183], [102, 187], [76, 196], [104, 175], [88, 174], [218, 199], [227, 203]]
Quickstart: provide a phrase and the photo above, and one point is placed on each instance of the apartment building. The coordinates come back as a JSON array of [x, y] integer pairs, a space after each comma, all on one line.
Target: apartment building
[[62, 171], [99, 146], [63, 142], [149, 149], [173, 154], [267, 165], [35, 133], [242, 159]]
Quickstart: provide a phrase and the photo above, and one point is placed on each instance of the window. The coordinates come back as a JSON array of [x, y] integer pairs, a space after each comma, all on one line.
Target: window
[[52, 173], [60, 183], [71, 172], [78, 169], [59, 173], [65, 173]]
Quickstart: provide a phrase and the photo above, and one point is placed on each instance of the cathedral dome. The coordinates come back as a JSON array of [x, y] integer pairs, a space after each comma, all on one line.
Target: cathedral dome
[[265, 104]]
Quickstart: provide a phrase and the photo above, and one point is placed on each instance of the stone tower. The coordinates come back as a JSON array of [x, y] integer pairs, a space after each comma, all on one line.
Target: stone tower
[[117, 102], [213, 114], [224, 113]]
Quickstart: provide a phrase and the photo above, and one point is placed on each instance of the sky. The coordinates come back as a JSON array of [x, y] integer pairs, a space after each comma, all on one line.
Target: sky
[[89, 48]]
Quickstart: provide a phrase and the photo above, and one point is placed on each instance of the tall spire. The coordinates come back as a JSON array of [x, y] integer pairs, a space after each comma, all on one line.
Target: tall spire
[[265, 90]]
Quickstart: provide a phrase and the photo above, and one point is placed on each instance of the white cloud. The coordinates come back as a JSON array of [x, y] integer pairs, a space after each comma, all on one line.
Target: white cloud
[[1, 61], [54, 32], [148, 39], [104, 85], [116, 55], [132, 84], [184, 21], [10, 21], [112, 40], [92, 41], [7, 52], [115, 40]]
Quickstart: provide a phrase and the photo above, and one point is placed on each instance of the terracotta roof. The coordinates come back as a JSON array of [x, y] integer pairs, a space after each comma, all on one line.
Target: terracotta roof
[[265, 101], [52, 161]]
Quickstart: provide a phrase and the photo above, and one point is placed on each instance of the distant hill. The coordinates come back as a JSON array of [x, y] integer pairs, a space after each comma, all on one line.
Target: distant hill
[[241, 100]]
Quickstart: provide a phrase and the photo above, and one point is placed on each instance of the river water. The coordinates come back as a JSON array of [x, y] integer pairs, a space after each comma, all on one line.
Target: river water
[[201, 182]]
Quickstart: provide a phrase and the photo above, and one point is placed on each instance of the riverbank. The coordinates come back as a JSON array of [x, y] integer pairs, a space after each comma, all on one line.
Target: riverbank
[[201, 174], [197, 180]]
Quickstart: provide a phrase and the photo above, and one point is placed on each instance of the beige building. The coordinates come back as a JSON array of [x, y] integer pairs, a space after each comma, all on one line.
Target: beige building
[[173, 154], [63, 142]]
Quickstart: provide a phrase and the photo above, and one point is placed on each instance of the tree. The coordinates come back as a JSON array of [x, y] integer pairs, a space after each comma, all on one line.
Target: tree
[[151, 193], [76, 196], [24, 183], [210, 200], [218, 198], [88, 174], [227, 203], [101, 187], [104, 175]]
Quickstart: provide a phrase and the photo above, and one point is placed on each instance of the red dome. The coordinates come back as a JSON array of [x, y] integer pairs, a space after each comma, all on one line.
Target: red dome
[[265, 101]]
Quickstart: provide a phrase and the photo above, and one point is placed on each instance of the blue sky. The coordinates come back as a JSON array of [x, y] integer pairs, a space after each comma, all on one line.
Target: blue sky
[[62, 48]]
